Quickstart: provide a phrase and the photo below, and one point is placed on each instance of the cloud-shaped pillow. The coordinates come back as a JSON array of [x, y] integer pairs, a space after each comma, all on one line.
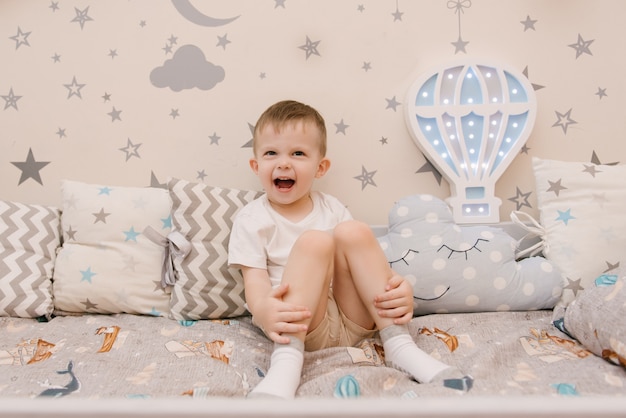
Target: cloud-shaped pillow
[[463, 268]]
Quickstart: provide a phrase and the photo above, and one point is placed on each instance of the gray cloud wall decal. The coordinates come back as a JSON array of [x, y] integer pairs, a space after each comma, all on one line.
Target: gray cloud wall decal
[[187, 69]]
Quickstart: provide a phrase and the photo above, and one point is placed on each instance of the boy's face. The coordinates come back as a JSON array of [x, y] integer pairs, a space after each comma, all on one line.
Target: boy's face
[[288, 161]]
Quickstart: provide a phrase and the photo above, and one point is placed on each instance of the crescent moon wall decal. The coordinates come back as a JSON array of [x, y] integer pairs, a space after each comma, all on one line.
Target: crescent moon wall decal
[[192, 14]]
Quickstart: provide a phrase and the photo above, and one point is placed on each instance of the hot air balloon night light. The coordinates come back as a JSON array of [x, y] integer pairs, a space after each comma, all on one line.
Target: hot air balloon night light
[[471, 120]]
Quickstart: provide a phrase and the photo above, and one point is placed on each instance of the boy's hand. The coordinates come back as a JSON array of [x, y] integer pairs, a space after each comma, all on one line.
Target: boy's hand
[[397, 301], [276, 317]]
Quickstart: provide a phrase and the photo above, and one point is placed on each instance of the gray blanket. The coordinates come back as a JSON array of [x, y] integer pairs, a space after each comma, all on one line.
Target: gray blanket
[[131, 356]]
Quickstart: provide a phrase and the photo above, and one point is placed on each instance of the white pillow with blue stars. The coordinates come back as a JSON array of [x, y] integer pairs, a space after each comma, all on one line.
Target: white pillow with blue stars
[[107, 263], [582, 209]]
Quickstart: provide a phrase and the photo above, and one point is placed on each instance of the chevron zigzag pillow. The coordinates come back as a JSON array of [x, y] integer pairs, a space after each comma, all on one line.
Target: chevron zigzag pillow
[[206, 288], [29, 237]]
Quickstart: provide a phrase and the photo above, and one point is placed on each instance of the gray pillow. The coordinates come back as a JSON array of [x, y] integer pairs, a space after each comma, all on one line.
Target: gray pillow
[[206, 288], [29, 237]]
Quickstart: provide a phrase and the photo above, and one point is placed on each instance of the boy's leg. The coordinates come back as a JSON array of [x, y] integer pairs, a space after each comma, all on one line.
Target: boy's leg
[[361, 273], [308, 272]]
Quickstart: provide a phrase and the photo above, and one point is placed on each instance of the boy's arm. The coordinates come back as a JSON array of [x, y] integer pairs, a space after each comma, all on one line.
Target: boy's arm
[[269, 312]]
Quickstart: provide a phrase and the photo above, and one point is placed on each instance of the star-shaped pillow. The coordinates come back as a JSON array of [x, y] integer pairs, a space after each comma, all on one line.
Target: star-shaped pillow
[[461, 268]]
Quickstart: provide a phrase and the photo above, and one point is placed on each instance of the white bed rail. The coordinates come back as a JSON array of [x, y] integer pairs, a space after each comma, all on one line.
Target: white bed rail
[[441, 407]]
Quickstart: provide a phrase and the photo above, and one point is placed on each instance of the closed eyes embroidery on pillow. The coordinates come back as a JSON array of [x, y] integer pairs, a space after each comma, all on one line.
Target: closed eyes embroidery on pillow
[[453, 251], [403, 258]]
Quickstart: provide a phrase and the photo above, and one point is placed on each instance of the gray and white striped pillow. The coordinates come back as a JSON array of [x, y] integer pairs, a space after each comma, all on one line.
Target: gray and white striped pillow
[[29, 237], [206, 287]]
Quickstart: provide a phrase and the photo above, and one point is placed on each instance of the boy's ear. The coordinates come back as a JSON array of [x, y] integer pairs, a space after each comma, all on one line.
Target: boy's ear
[[322, 167], [254, 165]]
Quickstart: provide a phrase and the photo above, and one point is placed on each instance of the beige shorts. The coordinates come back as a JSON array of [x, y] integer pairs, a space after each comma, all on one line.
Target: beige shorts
[[335, 330]]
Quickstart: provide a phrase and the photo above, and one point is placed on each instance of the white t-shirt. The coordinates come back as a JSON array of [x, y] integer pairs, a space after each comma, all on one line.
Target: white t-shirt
[[262, 238]]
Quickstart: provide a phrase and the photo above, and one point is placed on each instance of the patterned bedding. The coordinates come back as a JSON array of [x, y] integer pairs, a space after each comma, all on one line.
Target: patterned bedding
[[135, 356]]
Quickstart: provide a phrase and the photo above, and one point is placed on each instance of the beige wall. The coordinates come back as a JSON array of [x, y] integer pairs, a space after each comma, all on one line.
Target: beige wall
[[111, 48]]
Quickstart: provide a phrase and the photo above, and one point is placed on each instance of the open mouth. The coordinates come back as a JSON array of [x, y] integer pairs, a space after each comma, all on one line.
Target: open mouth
[[284, 183]]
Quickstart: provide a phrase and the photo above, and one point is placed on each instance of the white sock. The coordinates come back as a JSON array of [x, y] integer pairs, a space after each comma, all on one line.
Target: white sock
[[402, 353], [283, 377]]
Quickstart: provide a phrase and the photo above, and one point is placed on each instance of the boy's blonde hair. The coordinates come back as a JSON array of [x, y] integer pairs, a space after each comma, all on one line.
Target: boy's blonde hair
[[291, 111]]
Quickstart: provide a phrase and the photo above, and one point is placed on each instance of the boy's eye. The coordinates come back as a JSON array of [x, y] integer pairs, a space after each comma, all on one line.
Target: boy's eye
[[298, 153], [270, 153]]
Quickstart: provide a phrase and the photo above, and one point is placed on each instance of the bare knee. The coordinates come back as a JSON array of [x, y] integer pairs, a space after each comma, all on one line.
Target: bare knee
[[316, 243], [353, 232]]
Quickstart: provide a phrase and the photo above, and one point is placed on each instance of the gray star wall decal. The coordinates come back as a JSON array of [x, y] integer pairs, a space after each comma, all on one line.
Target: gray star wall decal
[[154, 181], [341, 127], [366, 177], [215, 139], [74, 88], [397, 15], [528, 23], [82, 17], [564, 120], [21, 38], [30, 168], [535, 86], [249, 143], [310, 47], [596, 160], [582, 46], [223, 41], [131, 149], [459, 45], [520, 199], [10, 100], [115, 114], [458, 6], [428, 167], [392, 103]]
